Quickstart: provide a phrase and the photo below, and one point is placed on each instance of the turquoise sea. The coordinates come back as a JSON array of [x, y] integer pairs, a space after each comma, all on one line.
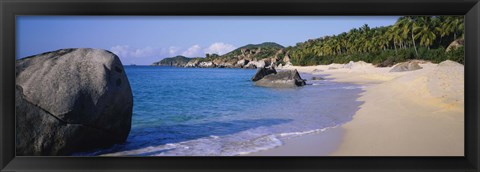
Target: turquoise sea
[[211, 111]]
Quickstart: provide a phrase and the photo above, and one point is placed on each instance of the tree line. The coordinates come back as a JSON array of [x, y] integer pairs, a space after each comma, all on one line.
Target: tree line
[[411, 37]]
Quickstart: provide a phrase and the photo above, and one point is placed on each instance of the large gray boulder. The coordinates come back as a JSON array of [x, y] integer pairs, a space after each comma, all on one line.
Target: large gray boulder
[[262, 72], [269, 77], [406, 66], [71, 100]]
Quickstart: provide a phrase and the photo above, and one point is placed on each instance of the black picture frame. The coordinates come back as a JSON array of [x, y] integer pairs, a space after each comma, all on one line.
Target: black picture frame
[[10, 8]]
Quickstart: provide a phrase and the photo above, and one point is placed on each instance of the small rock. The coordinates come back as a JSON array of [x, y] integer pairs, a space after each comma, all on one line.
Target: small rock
[[406, 66]]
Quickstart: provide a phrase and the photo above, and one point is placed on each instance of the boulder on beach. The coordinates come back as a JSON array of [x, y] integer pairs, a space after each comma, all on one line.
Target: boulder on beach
[[389, 62], [262, 72], [406, 66], [455, 44], [71, 100], [278, 79]]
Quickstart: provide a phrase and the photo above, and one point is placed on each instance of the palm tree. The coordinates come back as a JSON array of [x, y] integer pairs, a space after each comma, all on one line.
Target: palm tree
[[441, 31], [428, 31], [437, 22], [393, 35], [458, 24], [454, 24], [352, 39], [424, 31], [407, 24], [365, 28], [337, 46], [343, 41], [382, 38]]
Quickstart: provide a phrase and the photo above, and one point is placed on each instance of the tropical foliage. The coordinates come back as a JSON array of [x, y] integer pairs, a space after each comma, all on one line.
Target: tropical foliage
[[411, 37], [268, 49]]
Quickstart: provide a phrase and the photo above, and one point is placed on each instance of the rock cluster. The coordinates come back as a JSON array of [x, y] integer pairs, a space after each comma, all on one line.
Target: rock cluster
[[248, 58]]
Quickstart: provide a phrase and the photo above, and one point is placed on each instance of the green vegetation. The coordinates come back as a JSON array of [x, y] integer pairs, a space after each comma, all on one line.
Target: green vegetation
[[173, 61], [268, 49], [411, 37]]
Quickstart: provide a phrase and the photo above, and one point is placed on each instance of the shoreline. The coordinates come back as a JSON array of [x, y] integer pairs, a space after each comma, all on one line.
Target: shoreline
[[412, 113], [307, 145]]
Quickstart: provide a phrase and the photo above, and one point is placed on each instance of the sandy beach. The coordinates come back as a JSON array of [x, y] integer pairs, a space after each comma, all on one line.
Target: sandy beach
[[411, 113]]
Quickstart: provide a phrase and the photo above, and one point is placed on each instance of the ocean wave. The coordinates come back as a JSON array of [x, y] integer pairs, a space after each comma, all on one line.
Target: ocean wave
[[209, 146], [218, 145], [293, 134]]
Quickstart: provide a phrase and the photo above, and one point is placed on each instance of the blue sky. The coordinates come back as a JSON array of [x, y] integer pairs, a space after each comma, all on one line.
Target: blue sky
[[145, 39]]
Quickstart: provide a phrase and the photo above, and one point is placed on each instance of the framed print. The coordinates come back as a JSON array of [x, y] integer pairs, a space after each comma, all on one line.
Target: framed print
[[251, 85]]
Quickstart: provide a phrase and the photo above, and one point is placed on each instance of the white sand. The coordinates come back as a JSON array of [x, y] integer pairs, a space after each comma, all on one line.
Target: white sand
[[413, 113]]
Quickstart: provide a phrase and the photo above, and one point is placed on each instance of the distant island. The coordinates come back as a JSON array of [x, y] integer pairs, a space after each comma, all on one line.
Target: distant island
[[430, 38]]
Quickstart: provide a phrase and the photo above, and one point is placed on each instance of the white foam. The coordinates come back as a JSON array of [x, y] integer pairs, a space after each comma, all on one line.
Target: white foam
[[354, 87], [206, 146], [212, 146], [288, 135], [274, 142], [214, 137]]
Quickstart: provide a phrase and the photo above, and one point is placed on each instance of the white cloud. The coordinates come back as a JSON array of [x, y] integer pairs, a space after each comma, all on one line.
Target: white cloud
[[193, 51], [126, 51], [173, 50], [120, 50], [219, 48], [146, 52]]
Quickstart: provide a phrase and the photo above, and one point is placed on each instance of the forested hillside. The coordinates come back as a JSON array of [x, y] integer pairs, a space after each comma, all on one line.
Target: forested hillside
[[411, 37]]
